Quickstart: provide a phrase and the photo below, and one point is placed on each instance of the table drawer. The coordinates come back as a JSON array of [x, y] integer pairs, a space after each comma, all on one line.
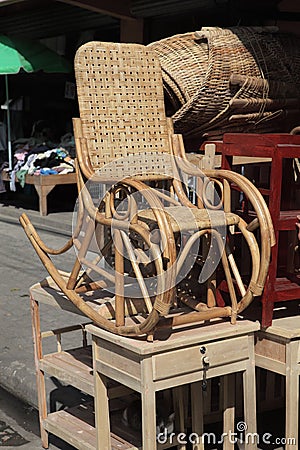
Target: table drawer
[[190, 359]]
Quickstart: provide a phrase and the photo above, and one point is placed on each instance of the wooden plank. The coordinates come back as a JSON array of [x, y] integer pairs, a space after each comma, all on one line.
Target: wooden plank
[[73, 367], [180, 408], [114, 356], [287, 220], [53, 298], [48, 292], [249, 390], [191, 377], [270, 348], [148, 405], [43, 192], [59, 331], [74, 426], [254, 140], [71, 429], [51, 180], [121, 377], [270, 364], [292, 395], [40, 379], [103, 436]]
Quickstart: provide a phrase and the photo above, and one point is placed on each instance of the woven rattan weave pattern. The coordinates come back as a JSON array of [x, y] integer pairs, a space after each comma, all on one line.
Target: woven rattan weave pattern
[[191, 69], [127, 81], [205, 73]]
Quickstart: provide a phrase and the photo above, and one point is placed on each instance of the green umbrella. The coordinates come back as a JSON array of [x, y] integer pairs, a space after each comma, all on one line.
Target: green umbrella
[[31, 56]]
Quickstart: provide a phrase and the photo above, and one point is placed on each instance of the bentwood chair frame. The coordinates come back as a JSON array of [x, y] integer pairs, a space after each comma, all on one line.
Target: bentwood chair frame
[[124, 141]]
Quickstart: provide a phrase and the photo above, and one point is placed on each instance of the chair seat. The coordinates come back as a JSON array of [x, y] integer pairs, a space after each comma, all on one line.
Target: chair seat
[[190, 219]]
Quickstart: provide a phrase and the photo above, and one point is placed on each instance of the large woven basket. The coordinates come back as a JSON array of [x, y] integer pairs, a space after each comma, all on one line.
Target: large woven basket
[[235, 79]]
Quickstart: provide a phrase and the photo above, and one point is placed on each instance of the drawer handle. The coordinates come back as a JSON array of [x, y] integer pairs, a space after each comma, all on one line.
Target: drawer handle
[[205, 362]]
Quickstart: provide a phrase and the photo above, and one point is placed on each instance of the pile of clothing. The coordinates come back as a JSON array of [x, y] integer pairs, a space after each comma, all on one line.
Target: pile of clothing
[[40, 160]]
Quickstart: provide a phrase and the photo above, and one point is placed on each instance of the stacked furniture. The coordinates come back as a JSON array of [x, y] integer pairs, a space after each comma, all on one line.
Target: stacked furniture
[[237, 79], [150, 263], [166, 260]]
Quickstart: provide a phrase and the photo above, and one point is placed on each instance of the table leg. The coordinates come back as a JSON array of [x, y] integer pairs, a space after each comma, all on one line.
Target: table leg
[[179, 404], [229, 409], [43, 192], [40, 377], [101, 410], [148, 406], [292, 396], [197, 415], [249, 386]]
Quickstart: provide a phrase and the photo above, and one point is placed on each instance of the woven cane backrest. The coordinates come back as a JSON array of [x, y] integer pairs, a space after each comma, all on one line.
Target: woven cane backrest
[[121, 104]]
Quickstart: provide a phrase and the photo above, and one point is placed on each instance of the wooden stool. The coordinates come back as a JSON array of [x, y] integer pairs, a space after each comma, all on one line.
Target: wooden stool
[[278, 349], [185, 357]]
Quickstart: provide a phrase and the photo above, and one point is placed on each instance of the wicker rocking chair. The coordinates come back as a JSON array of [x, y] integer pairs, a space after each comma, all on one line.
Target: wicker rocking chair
[[162, 258]]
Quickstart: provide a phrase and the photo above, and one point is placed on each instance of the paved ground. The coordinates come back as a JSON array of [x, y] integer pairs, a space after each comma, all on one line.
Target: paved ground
[[19, 426]]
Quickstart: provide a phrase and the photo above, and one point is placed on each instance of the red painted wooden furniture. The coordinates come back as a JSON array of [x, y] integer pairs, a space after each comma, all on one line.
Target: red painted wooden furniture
[[281, 285]]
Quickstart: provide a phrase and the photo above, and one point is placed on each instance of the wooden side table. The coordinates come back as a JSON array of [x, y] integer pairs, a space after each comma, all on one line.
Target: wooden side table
[[278, 349], [185, 357], [44, 184]]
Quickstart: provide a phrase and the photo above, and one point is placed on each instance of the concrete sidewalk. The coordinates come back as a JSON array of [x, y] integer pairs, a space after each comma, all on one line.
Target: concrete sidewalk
[[57, 222], [21, 268]]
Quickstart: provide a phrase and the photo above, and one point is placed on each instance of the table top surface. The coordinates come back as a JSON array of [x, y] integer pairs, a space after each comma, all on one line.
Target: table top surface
[[286, 327], [200, 334], [47, 292], [66, 178]]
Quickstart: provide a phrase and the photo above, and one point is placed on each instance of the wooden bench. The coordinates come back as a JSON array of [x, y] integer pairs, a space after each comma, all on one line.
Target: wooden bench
[[44, 184]]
